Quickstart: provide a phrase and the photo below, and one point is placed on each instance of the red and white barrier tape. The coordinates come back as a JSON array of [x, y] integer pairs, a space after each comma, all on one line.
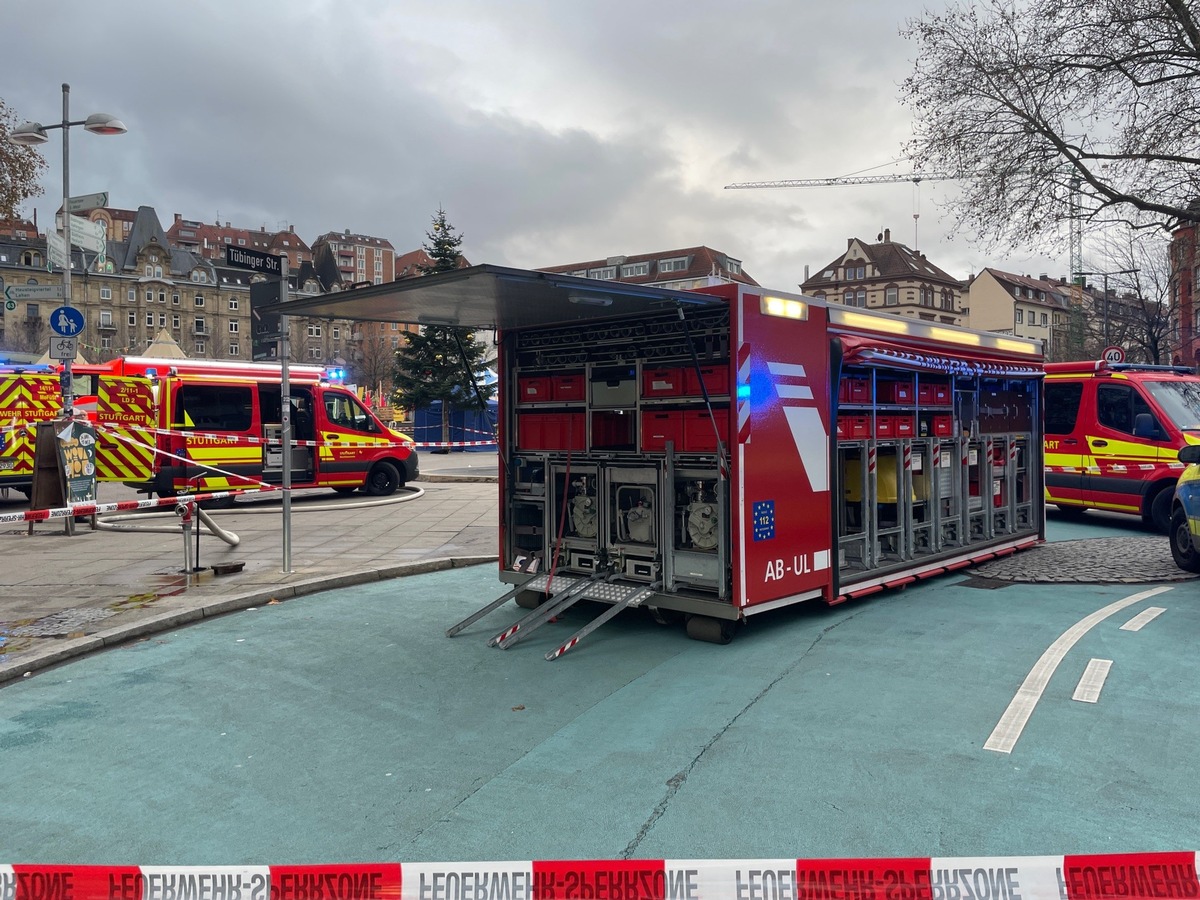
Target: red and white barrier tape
[[87, 509], [1140, 876]]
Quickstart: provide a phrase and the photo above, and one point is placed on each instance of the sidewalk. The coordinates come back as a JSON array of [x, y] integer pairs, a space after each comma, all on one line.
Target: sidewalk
[[62, 596]]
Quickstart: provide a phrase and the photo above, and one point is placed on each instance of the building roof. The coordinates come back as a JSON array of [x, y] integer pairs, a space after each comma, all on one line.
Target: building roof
[[413, 263], [891, 259], [347, 237], [1033, 290], [699, 262]]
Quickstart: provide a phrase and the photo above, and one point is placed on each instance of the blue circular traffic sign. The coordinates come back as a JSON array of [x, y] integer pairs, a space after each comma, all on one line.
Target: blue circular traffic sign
[[66, 321]]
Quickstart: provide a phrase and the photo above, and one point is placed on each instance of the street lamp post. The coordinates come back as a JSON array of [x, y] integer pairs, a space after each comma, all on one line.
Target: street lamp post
[[1105, 276], [32, 134]]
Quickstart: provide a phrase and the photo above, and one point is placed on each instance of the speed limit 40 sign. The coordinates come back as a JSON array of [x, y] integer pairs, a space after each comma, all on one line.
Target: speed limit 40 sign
[[1114, 354]]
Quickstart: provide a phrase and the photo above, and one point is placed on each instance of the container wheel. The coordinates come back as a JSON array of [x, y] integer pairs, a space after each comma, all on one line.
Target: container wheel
[[707, 628], [382, 480], [530, 599], [1183, 551]]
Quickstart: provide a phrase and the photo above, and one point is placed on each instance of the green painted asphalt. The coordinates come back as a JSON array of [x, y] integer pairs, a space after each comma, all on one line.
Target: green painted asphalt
[[345, 726]]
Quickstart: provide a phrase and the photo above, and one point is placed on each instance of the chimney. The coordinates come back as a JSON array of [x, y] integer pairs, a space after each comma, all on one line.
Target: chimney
[[1042, 277], [177, 218], [291, 229], [887, 235]]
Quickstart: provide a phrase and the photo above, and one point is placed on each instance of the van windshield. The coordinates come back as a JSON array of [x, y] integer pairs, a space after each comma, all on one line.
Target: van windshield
[[1180, 400]]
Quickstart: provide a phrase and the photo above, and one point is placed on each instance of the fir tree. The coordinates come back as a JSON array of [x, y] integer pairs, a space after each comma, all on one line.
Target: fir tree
[[431, 366]]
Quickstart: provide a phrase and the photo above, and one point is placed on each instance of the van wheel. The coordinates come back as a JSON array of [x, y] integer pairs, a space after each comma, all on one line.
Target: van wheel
[[1160, 511], [382, 480], [1183, 551]]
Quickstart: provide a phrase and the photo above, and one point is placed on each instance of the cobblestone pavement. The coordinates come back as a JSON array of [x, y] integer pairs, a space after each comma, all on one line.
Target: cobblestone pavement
[[1109, 560]]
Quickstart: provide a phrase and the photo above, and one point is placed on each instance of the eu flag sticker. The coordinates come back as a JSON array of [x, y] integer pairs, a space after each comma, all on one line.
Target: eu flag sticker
[[764, 520]]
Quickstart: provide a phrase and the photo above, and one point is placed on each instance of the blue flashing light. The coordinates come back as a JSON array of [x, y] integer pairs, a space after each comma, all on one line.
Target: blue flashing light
[[743, 392]]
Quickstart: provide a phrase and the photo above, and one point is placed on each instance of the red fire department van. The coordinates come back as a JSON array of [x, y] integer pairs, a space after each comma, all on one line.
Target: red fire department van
[[28, 394], [172, 426], [714, 454], [1113, 435]]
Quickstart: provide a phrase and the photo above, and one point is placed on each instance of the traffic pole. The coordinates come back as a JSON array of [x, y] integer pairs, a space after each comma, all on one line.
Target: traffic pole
[[285, 400]]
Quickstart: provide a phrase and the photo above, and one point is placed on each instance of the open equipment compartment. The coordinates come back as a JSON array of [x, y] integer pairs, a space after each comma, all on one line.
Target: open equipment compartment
[[716, 453]]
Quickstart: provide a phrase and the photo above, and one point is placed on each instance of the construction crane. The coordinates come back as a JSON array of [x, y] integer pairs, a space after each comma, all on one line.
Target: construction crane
[[1076, 232], [915, 178]]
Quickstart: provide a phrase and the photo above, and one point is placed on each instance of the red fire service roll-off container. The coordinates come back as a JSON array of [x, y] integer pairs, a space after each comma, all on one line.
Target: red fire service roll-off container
[[727, 451]]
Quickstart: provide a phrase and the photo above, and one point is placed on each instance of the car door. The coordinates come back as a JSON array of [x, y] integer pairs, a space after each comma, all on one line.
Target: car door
[[1121, 462], [1065, 439]]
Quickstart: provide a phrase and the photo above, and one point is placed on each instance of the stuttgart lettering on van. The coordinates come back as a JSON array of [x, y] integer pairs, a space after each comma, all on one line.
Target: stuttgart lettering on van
[[475, 886], [329, 886], [1155, 880], [975, 884], [208, 442], [205, 886], [37, 886]]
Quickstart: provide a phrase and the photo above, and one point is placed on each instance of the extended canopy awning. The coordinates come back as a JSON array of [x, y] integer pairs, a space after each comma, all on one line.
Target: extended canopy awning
[[868, 351], [487, 297]]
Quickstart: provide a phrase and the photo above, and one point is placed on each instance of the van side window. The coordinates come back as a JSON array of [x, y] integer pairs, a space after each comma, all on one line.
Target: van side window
[[1062, 406], [1119, 405], [345, 411], [215, 407]]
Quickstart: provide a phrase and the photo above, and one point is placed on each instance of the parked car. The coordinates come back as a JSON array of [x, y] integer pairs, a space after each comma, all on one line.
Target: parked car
[[1185, 512]]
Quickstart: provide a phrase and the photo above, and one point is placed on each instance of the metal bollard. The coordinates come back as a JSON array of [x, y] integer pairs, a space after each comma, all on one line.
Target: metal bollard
[[183, 509]]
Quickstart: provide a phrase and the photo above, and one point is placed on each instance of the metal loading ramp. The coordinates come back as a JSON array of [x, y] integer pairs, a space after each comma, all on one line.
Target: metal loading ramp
[[598, 587]]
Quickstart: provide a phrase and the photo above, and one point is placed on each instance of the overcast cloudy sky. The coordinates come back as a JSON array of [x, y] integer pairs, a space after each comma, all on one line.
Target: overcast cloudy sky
[[551, 131]]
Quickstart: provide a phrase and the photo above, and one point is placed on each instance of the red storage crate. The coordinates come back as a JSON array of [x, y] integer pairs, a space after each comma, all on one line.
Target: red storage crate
[[551, 431], [933, 394], [716, 381], [895, 391], [854, 390], [943, 426], [663, 382], [660, 426], [613, 430], [568, 388], [885, 427], [904, 426], [851, 428], [533, 389], [698, 434]]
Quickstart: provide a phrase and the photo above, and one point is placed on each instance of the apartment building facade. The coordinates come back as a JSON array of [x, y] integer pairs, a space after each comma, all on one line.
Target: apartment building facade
[[682, 269], [890, 277]]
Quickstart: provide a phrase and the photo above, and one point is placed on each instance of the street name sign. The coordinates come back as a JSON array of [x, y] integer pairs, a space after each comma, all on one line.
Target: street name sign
[[255, 260], [66, 321], [34, 292], [84, 202], [88, 234], [64, 347]]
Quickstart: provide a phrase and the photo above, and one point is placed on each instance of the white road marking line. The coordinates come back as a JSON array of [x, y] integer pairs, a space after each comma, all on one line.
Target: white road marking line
[[1145, 616], [1092, 682], [1008, 730]]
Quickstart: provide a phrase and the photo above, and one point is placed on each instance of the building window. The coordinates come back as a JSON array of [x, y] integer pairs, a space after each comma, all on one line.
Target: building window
[[149, 296], [198, 326], [1020, 316], [314, 352], [848, 297], [337, 332], [158, 271], [149, 320], [235, 349], [233, 327], [31, 310], [199, 345], [149, 271], [106, 318], [175, 321], [162, 320], [395, 343], [1044, 320], [233, 304], [199, 301], [105, 293], [891, 295], [175, 298], [131, 295], [106, 343], [241, 242], [862, 298], [314, 329], [948, 300], [1017, 291], [634, 270], [162, 296], [132, 320], [672, 265], [605, 273]]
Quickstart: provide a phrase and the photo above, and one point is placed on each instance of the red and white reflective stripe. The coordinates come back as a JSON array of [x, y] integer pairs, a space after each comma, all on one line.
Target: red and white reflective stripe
[[252, 439], [937, 455], [450, 444], [907, 457], [1140, 876], [743, 406], [872, 460]]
